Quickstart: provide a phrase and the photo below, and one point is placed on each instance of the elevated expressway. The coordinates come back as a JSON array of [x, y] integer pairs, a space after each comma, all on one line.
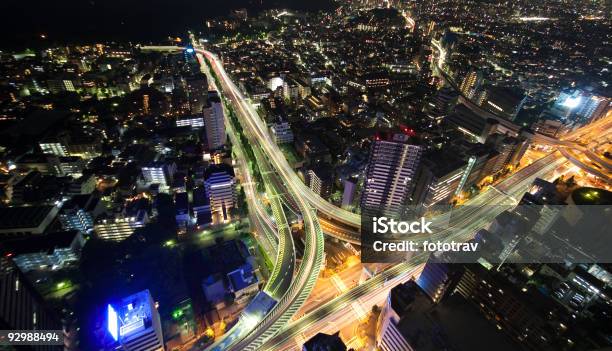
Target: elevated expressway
[[288, 290], [579, 155], [337, 222], [477, 213], [464, 221], [274, 235], [257, 331]]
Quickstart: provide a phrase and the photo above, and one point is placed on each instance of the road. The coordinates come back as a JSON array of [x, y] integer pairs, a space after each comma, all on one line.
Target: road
[[303, 283], [274, 236], [577, 154], [373, 291], [465, 221]]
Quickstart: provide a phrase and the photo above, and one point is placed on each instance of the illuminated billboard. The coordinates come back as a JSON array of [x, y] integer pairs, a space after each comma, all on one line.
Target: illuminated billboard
[[112, 322]]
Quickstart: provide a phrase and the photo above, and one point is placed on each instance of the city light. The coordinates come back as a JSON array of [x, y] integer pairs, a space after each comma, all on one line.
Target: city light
[[275, 180], [572, 102], [112, 321]]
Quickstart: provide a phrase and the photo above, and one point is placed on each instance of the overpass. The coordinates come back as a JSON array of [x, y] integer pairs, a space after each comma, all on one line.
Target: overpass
[[345, 225], [257, 331], [568, 148]]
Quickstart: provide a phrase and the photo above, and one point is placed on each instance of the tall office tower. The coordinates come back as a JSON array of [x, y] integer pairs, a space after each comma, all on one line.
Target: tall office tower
[[214, 121], [411, 321], [471, 83], [388, 334], [437, 278], [220, 187], [196, 88], [21, 307], [390, 174], [134, 323], [438, 179]]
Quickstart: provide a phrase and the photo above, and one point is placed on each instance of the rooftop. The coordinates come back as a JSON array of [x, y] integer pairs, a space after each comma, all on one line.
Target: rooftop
[[445, 326], [23, 217]]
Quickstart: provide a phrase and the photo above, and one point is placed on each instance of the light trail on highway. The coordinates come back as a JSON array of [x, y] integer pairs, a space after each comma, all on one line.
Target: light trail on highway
[[314, 253]]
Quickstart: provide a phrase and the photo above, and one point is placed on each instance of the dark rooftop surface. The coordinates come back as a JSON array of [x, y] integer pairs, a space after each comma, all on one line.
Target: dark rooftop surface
[[44, 243], [449, 325], [23, 217]]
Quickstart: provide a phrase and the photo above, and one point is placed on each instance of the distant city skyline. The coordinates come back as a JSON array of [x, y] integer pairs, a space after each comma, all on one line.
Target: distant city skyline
[[241, 176], [75, 21]]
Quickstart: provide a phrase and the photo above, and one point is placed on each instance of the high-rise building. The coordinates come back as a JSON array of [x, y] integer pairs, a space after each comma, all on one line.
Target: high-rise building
[[201, 207], [214, 121], [348, 196], [522, 313], [411, 321], [181, 205], [471, 83], [440, 105], [120, 227], [134, 323], [390, 175], [438, 179], [475, 127], [196, 89], [281, 132], [511, 149], [388, 336], [21, 307], [79, 213], [476, 156], [220, 187], [320, 179], [594, 107], [503, 102], [580, 106], [159, 173], [437, 278]]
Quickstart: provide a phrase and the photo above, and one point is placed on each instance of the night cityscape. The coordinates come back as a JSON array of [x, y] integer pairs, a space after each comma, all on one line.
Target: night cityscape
[[330, 175]]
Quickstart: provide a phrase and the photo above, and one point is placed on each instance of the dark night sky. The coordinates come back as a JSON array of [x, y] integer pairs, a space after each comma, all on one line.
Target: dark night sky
[[21, 21]]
